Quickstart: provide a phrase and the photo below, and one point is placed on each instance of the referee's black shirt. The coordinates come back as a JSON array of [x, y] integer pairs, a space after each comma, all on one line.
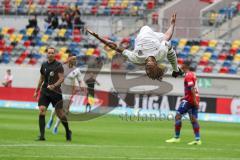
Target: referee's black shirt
[[50, 72]]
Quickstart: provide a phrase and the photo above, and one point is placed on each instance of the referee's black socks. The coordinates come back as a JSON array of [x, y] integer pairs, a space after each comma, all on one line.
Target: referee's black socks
[[65, 123], [42, 125]]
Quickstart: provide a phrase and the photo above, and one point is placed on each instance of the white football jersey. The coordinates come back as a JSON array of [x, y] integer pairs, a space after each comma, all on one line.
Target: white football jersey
[[72, 76], [148, 43]]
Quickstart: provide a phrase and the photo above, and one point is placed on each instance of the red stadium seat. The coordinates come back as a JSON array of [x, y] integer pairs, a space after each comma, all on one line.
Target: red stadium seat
[[52, 9], [2, 42], [204, 43], [116, 10], [24, 54], [155, 16], [22, 57], [76, 32], [116, 66], [208, 69], [180, 61], [20, 60], [96, 52], [2, 48], [58, 56], [41, 2], [222, 56], [9, 49], [150, 5], [203, 62], [10, 30], [61, 9], [238, 7], [27, 43], [224, 70], [94, 10], [32, 61], [77, 39], [7, 7], [233, 51], [104, 3], [29, 2]]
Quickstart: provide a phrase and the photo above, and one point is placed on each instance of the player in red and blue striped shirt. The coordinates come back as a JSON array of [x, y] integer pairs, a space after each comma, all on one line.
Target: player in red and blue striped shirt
[[189, 104]]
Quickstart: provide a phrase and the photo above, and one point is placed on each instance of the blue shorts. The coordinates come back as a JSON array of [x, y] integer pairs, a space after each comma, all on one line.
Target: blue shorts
[[186, 107]]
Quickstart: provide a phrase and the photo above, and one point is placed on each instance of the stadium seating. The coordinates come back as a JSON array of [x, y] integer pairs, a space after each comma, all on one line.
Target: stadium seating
[[217, 17], [93, 7], [23, 47], [212, 56]]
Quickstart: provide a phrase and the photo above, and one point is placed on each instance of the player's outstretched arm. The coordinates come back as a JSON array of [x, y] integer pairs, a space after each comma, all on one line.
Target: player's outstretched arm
[[110, 44], [170, 31]]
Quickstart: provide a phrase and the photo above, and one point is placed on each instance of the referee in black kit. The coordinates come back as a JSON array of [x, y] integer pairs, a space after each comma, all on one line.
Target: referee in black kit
[[51, 78]]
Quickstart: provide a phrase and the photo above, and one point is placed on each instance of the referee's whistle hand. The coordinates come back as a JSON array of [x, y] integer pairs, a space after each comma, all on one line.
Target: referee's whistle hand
[[51, 87]]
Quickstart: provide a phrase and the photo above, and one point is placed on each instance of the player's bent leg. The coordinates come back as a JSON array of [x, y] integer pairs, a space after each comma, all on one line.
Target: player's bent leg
[[178, 125], [55, 128], [42, 113], [61, 115], [183, 109]]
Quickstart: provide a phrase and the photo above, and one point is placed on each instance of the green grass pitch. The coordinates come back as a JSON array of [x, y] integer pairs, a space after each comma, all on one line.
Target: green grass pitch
[[110, 137]]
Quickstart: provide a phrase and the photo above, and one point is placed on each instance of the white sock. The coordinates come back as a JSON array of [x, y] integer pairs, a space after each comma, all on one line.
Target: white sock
[[57, 123], [172, 58], [52, 114]]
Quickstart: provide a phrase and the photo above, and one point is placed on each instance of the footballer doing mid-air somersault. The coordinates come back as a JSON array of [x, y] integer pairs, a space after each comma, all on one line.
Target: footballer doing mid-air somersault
[[150, 49]]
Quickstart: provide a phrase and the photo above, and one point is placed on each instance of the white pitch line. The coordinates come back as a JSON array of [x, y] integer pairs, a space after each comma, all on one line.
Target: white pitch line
[[116, 146], [113, 157]]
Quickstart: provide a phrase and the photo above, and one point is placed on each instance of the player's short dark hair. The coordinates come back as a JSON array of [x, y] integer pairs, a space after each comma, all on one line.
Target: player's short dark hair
[[50, 47], [189, 64], [70, 54]]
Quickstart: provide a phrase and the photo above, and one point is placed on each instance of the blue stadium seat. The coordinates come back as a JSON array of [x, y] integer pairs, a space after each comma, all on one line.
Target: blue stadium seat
[[54, 2], [92, 2], [75, 51], [186, 49], [22, 31], [183, 55], [233, 70], [21, 9], [209, 49], [137, 3], [49, 31], [79, 2], [107, 11], [73, 45], [130, 66], [175, 42], [214, 56], [227, 63], [36, 55], [68, 33], [113, 38], [5, 58], [39, 43]]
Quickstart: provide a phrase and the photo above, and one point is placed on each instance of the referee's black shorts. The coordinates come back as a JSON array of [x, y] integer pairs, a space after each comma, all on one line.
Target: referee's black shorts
[[47, 97]]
